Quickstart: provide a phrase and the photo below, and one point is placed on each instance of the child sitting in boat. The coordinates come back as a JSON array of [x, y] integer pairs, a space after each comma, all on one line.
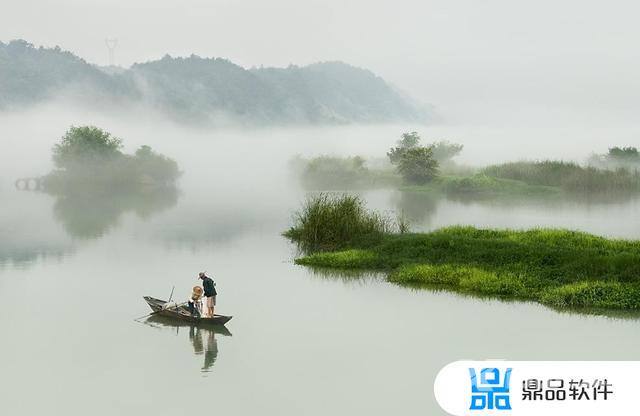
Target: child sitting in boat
[[195, 302]]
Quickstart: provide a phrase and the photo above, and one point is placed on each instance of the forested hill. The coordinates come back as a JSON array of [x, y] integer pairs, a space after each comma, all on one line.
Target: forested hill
[[206, 89]]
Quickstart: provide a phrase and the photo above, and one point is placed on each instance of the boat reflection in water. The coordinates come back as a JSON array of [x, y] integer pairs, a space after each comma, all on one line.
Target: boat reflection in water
[[202, 337]]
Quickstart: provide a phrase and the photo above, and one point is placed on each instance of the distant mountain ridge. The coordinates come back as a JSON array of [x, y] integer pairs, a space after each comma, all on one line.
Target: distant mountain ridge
[[206, 89]]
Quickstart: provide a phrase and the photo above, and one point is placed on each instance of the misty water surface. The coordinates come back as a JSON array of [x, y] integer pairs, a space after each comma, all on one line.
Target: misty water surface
[[73, 273]]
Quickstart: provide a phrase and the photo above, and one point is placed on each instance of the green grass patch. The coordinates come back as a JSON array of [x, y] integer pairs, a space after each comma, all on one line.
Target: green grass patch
[[607, 295], [346, 259], [560, 268]]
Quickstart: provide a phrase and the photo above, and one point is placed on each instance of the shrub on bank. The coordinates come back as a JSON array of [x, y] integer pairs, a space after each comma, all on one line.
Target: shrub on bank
[[329, 221]]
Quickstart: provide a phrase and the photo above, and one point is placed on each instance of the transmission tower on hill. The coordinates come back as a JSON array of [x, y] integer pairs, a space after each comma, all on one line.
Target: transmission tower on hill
[[111, 47]]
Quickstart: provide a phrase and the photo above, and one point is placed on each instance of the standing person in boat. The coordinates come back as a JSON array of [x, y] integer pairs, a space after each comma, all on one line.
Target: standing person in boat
[[209, 292]]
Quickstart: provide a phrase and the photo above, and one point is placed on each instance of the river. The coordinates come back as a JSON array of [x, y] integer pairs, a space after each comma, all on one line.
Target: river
[[73, 273]]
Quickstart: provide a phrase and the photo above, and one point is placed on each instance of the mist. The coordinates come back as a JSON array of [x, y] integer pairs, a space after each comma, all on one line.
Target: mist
[[499, 61], [28, 138], [534, 103]]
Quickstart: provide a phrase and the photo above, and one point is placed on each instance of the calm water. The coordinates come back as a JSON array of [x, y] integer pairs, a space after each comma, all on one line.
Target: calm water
[[73, 273]]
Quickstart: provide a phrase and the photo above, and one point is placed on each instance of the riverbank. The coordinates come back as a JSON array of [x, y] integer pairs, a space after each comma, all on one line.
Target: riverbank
[[559, 268], [547, 178], [483, 186]]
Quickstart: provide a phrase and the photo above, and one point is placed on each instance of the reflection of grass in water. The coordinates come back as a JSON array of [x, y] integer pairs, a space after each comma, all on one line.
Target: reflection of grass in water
[[615, 314], [482, 187], [347, 276], [90, 214], [560, 268]]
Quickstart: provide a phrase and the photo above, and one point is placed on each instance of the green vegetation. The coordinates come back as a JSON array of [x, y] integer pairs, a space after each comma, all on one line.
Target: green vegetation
[[340, 173], [197, 89], [333, 221], [443, 151], [567, 176], [431, 168], [559, 268], [414, 164], [625, 153], [616, 158], [482, 185], [90, 158], [407, 141], [417, 165], [29, 75], [95, 182]]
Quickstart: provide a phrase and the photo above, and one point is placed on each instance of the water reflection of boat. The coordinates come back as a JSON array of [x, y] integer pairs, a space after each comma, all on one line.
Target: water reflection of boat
[[166, 322], [181, 313], [202, 338]]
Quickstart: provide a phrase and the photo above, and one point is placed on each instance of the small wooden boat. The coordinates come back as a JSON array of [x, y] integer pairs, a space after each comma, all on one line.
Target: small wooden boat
[[159, 321], [181, 312]]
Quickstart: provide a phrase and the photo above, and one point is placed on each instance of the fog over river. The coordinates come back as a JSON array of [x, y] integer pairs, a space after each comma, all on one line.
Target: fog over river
[[73, 273]]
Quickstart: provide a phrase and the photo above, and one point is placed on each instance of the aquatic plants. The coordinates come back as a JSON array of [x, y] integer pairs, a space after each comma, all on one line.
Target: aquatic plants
[[329, 221], [616, 158], [333, 171], [328, 172], [560, 268], [566, 175], [483, 185]]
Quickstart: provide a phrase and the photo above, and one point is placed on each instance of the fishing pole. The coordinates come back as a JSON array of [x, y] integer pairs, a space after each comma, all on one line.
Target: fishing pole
[[158, 311]]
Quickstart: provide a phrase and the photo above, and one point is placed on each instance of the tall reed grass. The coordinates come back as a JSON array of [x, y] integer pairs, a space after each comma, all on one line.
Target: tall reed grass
[[567, 175], [329, 221]]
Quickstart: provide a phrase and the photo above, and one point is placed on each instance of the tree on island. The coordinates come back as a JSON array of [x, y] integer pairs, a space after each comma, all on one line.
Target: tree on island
[[443, 151], [417, 165], [407, 141], [624, 154], [86, 146], [95, 182], [88, 156], [617, 158]]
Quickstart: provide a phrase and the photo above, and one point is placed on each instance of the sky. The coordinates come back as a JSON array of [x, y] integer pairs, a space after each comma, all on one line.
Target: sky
[[472, 59]]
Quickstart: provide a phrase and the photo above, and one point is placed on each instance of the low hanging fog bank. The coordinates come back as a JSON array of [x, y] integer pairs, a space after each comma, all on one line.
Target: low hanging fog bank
[[244, 157], [238, 179]]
